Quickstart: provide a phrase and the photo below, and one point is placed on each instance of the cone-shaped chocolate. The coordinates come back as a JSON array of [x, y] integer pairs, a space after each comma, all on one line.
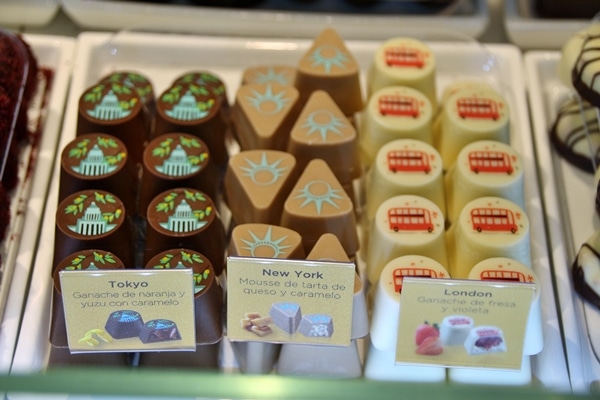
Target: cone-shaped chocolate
[[257, 182], [317, 205], [328, 65], [265, 241]]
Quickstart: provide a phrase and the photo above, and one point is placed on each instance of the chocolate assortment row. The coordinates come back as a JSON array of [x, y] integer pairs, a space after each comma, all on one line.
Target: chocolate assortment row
[[147, 176]]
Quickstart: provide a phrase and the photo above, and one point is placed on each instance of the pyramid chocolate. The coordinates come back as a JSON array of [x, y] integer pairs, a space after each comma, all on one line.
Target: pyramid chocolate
[[328, 65], [323, 131], [265, 241], [263, 115], [318, 204], [281, 74], [257, 182]]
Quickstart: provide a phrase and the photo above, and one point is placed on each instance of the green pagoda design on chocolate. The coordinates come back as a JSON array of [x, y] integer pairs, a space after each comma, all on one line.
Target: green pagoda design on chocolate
[[186, 106], [271, 76], [191, 260], [183, 217], [323, 128], [267, 241], [275, 101], [78, 262], [272, 169], [108, 106], [338, 59], [95, 162], [178, 162], [328, 196], [93, 221]]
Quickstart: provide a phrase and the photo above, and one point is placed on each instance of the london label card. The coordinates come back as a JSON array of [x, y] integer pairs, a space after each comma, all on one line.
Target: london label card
[[296, 301], [463, 323], [129, 310]]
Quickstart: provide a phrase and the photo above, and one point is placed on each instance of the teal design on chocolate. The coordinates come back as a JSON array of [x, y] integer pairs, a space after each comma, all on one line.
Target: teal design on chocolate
[[78, 262], [186, 106], [337, 59], [272, 169], [108, 107], [130, 80], [271, 76], [205, 79], [125, 316], [96, 163], [93, 221], [331, 124], [179, 162], [184, 218], [268, 103], [329, 195], [186, 260], [267, 241]]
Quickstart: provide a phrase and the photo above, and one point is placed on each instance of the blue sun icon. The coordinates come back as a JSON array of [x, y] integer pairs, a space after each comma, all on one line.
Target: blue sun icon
[[319, 192], [273, 247], [263, 173], [268, 102], [282, 77], [323, 121], [329, 56]]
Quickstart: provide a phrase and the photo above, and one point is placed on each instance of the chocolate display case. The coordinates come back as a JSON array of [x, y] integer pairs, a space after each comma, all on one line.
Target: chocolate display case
[[532, 29], [569, 195], [280, 18], [163, 57], [54, 55]]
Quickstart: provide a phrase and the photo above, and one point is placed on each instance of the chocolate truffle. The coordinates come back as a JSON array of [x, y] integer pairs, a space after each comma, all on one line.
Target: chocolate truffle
[[92, 219], [197, 110], [176, 160], [124, 324], [587, 68], [98, 161], [586, 270], [328, 65], [118, 112], [188, 218]]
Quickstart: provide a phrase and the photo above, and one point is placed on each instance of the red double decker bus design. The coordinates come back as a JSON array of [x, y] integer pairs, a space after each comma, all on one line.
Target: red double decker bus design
[[399, 106], [410, 219], [478, 108], [490, 161], [404, 57], [408, 161], [511, 276], [400, 273], [493, 220]]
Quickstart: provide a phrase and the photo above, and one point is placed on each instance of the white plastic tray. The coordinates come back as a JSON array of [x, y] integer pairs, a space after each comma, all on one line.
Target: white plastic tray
[[163, 57], [528, 31], [27, 12], [569, 196], [55, 53], [116, 15]]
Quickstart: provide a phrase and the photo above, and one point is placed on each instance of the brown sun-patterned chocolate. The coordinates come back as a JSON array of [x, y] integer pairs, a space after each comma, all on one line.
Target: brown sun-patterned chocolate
[[257, 182], [197, 110], [323, 131], [115, 109], [208, 299], [185, 217], [176, 160], [318, 204], [277, 73], [265, 241], [98, 161], [263, 115], [93, 219], [328, 65]]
